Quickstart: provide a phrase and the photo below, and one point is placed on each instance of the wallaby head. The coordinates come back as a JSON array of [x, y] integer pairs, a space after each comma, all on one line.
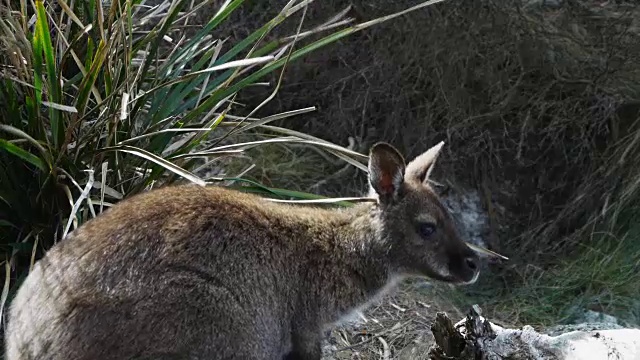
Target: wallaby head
[[421, 234]]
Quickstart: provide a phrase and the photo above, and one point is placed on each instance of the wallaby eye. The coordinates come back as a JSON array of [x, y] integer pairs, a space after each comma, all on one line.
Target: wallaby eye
[[427, 229]]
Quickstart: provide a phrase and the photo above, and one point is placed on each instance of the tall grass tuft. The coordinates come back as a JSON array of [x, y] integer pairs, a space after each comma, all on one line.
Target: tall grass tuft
[[102, 100]]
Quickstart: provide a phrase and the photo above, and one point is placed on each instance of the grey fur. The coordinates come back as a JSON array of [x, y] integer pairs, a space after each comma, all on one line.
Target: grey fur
[[185, 272]]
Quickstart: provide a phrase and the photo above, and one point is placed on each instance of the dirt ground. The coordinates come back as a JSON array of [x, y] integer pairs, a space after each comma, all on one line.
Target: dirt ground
[[396, 327]]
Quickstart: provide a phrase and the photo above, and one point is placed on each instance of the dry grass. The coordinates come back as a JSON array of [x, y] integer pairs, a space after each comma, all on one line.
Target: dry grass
[[540, 111], [599, 276], [396, 327]]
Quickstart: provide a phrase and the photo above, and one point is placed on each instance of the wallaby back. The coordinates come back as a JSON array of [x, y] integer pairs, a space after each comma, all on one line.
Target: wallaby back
[[186, 272]]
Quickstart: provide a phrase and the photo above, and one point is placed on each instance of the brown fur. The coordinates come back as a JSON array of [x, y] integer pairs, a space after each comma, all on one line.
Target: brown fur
[[186, 272]]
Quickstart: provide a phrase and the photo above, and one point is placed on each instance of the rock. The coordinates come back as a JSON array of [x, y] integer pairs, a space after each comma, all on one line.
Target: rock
[[562, 329], [591, 316], [586, 320]]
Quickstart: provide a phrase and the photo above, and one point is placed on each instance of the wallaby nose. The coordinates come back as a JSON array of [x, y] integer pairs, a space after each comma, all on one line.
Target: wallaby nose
[[471, 263]]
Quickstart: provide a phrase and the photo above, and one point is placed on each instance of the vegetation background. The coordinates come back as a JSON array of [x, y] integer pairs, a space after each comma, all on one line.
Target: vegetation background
[[538, 102]]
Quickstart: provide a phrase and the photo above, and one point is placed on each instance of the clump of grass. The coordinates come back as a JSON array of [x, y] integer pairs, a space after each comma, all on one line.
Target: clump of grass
[[599, 276], [96, 110]]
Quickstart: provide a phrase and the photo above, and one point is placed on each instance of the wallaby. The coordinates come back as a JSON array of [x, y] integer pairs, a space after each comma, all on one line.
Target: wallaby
[[190, 272]]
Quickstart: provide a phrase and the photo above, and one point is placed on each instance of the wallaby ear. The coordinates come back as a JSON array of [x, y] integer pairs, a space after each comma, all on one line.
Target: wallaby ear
[[386, 171], [420, 168]]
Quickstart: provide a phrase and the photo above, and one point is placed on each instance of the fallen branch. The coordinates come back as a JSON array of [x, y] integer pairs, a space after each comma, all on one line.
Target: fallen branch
[[475, 338]]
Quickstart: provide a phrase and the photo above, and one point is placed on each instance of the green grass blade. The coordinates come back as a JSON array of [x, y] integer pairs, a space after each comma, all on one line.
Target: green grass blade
[[353, 157], [19, 133], [38, 73], [275, 117], [89, 80], [164, 131], [257, 188], [343, 153], [43, 37], [5, 223], [189, 78], [159, 161], [212, 24], [197, 138], [177, 94], [23, 154]]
